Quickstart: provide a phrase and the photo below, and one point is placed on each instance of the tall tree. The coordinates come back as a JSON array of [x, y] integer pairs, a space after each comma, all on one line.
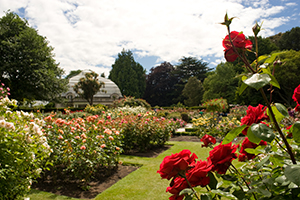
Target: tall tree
[[191, 66], [221, 83], [193, 90], [128, 75], [188, 67], [88, 86], [27, 65], [290, 40], [160, 84]]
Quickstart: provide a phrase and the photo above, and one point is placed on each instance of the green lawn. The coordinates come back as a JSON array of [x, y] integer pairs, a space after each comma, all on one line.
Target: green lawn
[[143, 183]]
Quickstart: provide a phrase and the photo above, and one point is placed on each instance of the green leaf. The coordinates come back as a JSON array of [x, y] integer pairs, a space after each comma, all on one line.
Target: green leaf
[[224, 194], [262, 132], [242, 88], [258, 81], [263, 161], [252, 137], [292, 173], [213, 181], [273, 56], [273, 81], [263, 57], [233, 133], [186, 191], [296, 131], [206, 196], [282, 109], [264, 192]]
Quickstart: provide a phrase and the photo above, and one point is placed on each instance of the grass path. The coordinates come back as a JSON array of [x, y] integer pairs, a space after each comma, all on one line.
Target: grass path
[[143, 183]]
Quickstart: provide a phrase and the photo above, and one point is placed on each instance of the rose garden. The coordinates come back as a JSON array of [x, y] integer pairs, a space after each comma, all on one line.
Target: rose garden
[[251, 153]]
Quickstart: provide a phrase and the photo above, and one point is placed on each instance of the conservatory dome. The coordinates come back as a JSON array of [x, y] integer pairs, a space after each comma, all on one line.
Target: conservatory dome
[[106, 95]]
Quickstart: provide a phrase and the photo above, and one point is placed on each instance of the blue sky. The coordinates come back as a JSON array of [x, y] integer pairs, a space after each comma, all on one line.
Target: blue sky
[[88, 34]]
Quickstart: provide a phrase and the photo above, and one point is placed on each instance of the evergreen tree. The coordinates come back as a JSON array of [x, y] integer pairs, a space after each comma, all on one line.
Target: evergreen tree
[[128, 75]]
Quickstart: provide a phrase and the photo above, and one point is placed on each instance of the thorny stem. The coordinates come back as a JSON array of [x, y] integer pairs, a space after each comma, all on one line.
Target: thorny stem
[[289, 149], [243, 180], [248, 66], [191, 187]]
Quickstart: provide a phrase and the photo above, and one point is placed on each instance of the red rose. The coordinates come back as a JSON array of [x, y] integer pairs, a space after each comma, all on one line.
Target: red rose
[[177, 184], [246, 145], [221, 157], [296, 95], [208, 139], [198, 174], [239, 41], [172, 165], [254, 115]]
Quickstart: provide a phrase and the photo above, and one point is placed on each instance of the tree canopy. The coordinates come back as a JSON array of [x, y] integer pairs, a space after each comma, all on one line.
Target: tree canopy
[[221, 83], [290, 40], [128, 75], [88, 86], [27, 65], [160, 85], [191, 66], [193, 90]]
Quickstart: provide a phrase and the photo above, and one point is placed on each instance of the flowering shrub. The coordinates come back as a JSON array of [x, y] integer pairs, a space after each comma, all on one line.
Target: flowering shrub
[[23, 146], [212, 126], [237, 112], [95, 109], [270, 150], [216, 105], [82, 147], [132, 102], [142, 133]]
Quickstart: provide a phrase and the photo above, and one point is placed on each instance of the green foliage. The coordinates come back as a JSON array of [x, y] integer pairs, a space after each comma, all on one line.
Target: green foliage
[[161, 85], [141, 133], [128, 75], [188, 67], [87, 87], [193, 90], [287, 73], [290, 40], [96, 109], [73, 73], [23, 147], [238, 112], [185, 117], [216, 105], [221, 83], [131, 102], [27, 62]]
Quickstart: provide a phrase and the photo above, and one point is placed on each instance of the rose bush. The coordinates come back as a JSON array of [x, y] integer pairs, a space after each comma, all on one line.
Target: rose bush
[[271, 170], [23, 147]]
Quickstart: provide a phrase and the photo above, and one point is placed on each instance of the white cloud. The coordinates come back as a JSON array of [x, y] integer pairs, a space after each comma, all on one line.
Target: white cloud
[[90, 33]]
